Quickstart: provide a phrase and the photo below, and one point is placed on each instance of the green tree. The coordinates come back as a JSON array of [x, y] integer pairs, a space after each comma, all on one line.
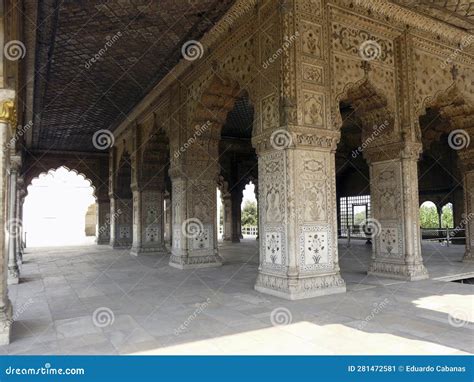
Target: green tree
[[447, 216], [249, 214], [429, 216]]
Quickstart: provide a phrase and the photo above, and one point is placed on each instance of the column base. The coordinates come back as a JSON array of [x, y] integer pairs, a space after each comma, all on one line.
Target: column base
[[149, 251], [6, 322], [121, 245], [407, 272], [13, 276], [468, 257], [193, 262], [300, 288]]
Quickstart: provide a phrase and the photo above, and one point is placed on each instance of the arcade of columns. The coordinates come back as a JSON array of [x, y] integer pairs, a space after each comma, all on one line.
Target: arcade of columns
[[297, 63]]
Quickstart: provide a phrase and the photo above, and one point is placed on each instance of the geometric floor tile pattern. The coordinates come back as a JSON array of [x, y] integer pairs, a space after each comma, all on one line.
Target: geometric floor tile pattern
[[95, 300]]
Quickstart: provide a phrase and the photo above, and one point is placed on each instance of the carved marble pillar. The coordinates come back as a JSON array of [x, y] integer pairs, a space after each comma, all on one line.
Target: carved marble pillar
[[468, 220], [458, 207], [21, 236], [167, 219], [121, 216], [7, 119], [148, 222], [194, 208], [19, 218], [227, 204], [395, 212], [236, 213], [103, 222], [13, 223], [297, 221]]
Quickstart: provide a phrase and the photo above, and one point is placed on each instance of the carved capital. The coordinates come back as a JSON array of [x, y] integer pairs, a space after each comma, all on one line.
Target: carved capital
[[397, 150], [296, 137], [466, 160], [8, 112]]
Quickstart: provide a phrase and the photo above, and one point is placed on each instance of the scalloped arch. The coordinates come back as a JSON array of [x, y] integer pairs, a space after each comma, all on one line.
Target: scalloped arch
[[32, 177]]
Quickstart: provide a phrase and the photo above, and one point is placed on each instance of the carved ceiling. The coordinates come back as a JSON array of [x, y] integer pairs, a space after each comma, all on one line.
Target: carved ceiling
[[94, 60], [456, 12]]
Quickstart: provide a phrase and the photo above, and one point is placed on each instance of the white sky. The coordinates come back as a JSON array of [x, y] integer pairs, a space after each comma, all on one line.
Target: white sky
[[55, 208]]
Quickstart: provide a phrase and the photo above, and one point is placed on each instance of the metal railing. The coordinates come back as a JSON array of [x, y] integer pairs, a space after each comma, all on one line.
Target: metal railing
[[445, 235]]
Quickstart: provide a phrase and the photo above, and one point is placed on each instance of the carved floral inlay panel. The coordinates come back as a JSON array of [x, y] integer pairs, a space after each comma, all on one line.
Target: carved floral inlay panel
[[311, 170], [312, 74], [385, 191], [269, 112], [311, 39], [349, 40], [313, 109], [273, 248], [390, 242], [124, 232], [202, 240], [315, 248], [272, 190], [311, 7]]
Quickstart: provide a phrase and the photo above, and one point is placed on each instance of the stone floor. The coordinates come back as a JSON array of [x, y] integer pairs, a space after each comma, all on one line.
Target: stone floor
[[94, 300]]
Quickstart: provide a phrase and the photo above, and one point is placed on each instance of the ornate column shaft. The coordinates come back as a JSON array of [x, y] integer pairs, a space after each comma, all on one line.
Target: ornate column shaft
[[395, 212], [168, 220], [194, 197], [19, 219], [103, 222], [13, 269], [7, 118], [227, 204], [467, 222], [148, 222], [236, 215], [121, 214], [297, 218]]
